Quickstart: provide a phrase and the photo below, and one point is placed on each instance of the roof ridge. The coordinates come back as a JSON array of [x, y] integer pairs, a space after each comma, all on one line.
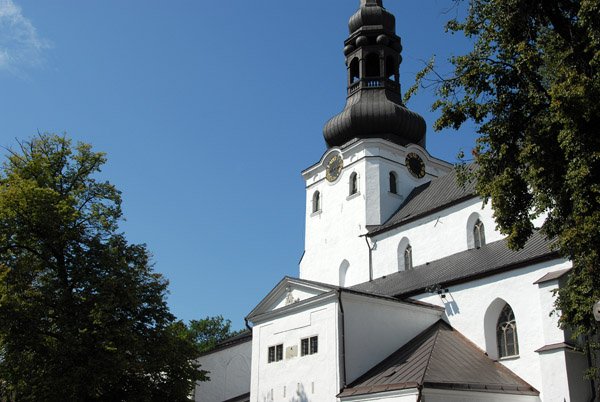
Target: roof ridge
[[437, 334]]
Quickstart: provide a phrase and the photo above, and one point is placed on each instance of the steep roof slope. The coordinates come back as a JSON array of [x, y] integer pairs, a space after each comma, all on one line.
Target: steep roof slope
[[428, 198], [439, 357], [460, 267]]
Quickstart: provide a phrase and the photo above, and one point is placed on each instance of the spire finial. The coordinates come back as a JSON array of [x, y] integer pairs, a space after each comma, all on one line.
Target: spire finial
[[371, 2]]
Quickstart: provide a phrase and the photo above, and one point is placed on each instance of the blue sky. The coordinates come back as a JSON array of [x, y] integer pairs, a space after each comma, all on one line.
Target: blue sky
[[208, 112]]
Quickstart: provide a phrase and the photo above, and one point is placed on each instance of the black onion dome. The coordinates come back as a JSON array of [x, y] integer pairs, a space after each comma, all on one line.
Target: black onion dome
[[372, 13], [372, 114], [374, 106]]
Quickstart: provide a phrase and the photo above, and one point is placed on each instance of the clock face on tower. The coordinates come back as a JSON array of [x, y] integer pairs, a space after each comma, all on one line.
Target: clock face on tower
[[415, 165], [334, 167]]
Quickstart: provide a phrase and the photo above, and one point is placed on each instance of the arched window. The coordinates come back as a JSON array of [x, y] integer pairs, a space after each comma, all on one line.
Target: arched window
[[353, 183], [408, 265], [478, 234], [316, 204], [393, 183], [372, 65], [506, 333], [354, 70], [390, 67]]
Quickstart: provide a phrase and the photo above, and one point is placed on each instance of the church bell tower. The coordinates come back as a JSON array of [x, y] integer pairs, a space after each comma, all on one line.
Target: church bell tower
[[374, 105], [375, 155]]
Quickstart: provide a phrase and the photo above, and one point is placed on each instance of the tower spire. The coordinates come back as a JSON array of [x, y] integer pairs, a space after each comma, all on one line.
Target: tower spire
[[374, 106], [371, 2]]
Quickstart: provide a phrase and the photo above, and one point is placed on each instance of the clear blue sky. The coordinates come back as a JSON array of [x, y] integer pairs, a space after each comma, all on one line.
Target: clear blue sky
[[208, 112]]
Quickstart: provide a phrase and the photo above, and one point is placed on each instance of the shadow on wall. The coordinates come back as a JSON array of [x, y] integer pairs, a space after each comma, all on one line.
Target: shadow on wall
[[300, 394], [450, 305], [299, 397]]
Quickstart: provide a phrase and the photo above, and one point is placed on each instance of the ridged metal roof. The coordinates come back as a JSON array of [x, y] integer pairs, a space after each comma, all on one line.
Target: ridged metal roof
[[439, 357], [487, 260], [427, 199]]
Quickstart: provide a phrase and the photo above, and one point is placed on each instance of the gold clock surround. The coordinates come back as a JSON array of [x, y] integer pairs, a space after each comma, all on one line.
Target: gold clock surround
[[415, 165], [334, 167]]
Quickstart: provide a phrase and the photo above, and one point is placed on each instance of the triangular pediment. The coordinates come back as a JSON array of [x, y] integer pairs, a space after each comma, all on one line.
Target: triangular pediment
[[290, 292]]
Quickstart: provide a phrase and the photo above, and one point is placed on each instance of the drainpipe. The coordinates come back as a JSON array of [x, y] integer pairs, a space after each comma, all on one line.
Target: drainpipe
[[592, 384], [370, 255], [247, 325], [420, 397], [343, 336]]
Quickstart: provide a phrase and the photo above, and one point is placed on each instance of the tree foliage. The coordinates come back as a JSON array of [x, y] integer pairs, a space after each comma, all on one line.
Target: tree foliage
[[531, 84], [83, 316], [210, 331]]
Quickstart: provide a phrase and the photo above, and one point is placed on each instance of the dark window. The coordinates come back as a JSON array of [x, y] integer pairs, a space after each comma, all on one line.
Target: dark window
[[304, 347], [393, 184], [354, 70], [316, 207], [309, 346], [372, 65], [408, 258], [353, 184], [390, 67], [478, 234], [275, 353], [314, 345], [506, 331]]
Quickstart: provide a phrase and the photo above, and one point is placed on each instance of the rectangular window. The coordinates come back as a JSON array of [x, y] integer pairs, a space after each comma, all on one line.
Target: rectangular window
[[304, 347], [314, 345], [309, 346], [275, 353], [271, 354]]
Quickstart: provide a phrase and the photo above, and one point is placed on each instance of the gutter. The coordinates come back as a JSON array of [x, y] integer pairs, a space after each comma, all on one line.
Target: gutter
[[343, 340], [366, 236]]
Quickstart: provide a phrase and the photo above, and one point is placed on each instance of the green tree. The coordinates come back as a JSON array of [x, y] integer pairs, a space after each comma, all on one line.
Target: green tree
[[531, 84], [210, 331], [83, 317]]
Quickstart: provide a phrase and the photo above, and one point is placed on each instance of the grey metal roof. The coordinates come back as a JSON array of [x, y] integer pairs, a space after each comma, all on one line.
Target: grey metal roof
[[467, 265], [240, 398], [427, 199], [439, 357], [550, 276], [244, 336]]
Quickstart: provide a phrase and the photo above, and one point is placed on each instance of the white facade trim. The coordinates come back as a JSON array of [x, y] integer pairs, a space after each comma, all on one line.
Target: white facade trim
[[382, 396]]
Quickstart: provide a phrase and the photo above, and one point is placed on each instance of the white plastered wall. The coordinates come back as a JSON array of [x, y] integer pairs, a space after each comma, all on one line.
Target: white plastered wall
[[375, 328], [297, 378], [333, 234], [435, 395], [229, 372], [468, 304], [405, 395], [433, 237]]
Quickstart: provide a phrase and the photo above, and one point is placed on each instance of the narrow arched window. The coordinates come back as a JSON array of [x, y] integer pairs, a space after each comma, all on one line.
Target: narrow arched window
[[353, 183], [372, 65], [506, 333], [316, 204], [393, 183], [390, 67], [408, 265], [478, 234], [354, 70]]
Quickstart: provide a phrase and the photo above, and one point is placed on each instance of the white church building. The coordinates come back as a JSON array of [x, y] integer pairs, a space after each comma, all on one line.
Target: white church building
[[405, 291]]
